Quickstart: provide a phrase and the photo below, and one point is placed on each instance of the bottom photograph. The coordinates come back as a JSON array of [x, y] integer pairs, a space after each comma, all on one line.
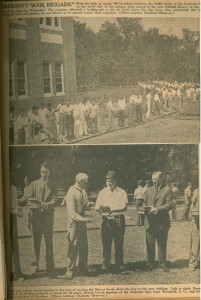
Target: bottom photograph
[[104, 215]]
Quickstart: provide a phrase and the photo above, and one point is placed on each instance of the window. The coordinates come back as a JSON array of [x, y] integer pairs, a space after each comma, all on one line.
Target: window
[[59, 77], [47, 78], [48, 21], [56, 22], [11, 89], [21, 78], [51, 23]]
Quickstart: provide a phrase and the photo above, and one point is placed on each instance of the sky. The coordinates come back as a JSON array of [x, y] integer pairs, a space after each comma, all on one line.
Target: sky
[[165, 25]]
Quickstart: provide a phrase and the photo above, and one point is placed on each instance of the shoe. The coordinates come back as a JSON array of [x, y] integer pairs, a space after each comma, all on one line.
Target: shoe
[[150, 268], [34, 268], [19, 277], [164, 268], [51, 276], [122, 268], [105, 268], [67, 276]]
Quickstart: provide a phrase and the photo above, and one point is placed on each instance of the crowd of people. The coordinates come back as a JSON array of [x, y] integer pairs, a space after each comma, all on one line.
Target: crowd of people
[[154, 201], [68, 122]]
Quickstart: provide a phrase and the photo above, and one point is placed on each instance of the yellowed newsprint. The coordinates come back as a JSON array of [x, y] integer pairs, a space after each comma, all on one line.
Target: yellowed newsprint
[[101, 115]]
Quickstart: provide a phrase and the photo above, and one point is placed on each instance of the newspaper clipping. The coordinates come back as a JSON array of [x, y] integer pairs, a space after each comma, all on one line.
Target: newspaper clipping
[[103, 113]]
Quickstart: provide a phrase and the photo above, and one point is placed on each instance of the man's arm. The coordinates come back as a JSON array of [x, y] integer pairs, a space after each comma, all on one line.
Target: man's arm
[[168, 202], [72, 208]]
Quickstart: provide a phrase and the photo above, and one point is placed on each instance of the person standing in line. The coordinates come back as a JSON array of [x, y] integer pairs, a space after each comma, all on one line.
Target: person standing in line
[[138, 107], [37, 126], [121, 110], [131, 109], [21, 123], [138, 200], [42, 218], [69, 121], [93, 117], [111, 111], [62, 121], [112, 203], [195, 233], [188, 94], [148, 97], [157, 103], [83, 130], [42, 114], [180, 98], [51, 121], [164, 96], [77, 205], [187, 195], [14, 213], [12, 119], [157, 204]]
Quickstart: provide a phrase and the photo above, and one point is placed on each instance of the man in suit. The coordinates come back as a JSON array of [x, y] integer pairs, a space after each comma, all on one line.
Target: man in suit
[[77, 205], [158, 200], [42, 218]]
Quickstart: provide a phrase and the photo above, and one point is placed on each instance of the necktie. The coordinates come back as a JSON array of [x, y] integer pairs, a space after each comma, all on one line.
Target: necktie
[[43, 193]]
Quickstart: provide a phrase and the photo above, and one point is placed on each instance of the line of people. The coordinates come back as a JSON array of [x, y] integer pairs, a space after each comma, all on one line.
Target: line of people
[[111, 203], [46, 124]]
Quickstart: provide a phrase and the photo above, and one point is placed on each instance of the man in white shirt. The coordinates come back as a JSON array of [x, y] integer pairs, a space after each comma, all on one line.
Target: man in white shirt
[[188, 94], [111, 111], [148, 97], [138, 107], [61, 108], [112, 203], [157, 103], [121, 109], [187, 195], [139, 200], [131, 108]]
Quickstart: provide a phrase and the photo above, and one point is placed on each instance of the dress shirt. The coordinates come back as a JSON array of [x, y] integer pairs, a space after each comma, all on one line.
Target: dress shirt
[[77, 203], [188, 193], [61, 108], [139, 193], [115, 200], [121, 104]]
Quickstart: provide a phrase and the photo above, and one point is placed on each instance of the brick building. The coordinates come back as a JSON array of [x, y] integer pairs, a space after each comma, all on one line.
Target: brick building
[[41, 61]]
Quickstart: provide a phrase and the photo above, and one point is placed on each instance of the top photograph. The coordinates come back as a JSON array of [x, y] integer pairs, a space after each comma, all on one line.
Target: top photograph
[[104, 80]]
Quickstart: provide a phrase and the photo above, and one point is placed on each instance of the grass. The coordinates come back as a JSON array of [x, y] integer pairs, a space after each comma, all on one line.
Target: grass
[[134, 256]]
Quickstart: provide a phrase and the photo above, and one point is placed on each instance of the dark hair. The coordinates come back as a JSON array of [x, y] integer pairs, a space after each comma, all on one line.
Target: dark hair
[[45, 165]]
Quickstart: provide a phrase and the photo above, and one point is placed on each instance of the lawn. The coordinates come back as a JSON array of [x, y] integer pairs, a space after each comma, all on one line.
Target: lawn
[[134, 255]]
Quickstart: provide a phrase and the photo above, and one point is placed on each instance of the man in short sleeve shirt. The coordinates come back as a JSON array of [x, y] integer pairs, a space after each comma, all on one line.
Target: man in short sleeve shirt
[[112, 203]]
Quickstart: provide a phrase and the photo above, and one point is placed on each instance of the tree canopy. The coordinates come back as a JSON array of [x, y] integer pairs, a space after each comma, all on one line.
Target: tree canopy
[[123, 53]]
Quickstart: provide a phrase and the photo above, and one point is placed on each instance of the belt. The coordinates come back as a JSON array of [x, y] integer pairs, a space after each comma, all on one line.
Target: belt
[[113, 217]]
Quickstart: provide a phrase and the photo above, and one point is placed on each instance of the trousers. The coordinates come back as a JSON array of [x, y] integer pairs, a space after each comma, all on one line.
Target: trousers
[[159, 235], [195, 243], [140, 217], [77, 246], [113, 229], [42, 225], [15, 244]]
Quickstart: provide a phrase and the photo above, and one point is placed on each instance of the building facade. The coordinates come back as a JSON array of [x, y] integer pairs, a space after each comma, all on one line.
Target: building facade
[[41, 61]]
